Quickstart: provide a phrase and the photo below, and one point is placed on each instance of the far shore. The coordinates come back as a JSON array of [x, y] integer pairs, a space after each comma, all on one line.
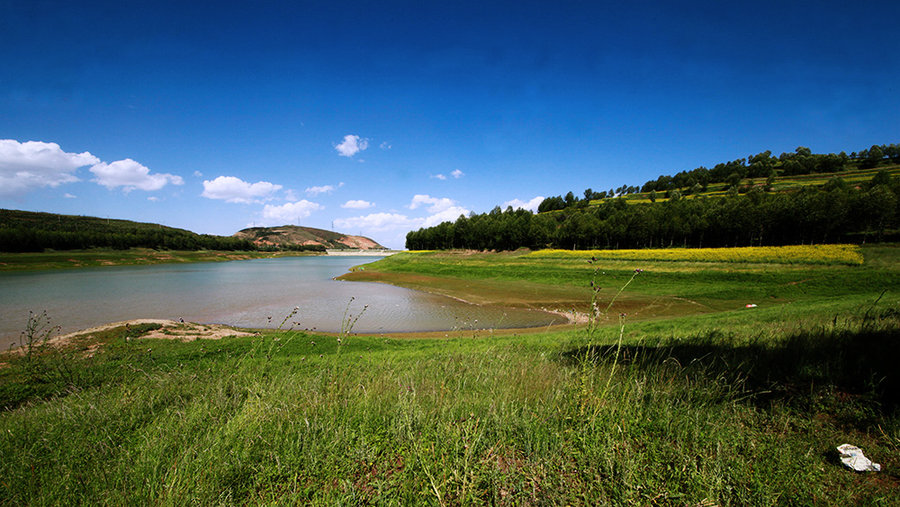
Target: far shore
[[68, 259], [362, 253]]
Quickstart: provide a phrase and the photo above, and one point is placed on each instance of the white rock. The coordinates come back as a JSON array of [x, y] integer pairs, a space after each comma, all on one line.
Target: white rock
[[853, 457]]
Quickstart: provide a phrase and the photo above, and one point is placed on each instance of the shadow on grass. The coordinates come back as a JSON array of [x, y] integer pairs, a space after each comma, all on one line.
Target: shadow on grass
[[801, 369]]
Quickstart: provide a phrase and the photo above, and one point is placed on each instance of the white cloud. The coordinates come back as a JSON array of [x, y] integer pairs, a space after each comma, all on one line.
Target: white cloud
[[437, 204], [357, 204], [198, 174], [457, 174], [314, 191], [379, 222], [70, 196], [531, 205], [131, 175], [351, 145], [447, 215], [231, 189], [385, 146], [324, 189], [34, 164], [399, 224], [291, 211], [440, 177], [153, 199]]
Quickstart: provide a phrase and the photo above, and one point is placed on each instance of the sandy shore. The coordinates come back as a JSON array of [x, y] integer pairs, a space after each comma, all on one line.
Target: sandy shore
[[170, 330]]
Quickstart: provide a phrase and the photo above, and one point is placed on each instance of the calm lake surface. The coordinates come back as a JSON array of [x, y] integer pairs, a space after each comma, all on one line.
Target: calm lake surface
[[239, 293]]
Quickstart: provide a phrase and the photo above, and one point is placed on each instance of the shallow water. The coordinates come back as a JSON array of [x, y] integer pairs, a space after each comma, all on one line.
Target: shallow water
[[255, 293]]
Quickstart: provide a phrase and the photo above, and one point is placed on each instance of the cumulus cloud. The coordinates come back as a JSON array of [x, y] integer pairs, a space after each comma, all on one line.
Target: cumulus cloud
[[440, 177], [232, 189], [397, 224], [351, 145], [436, 204], [457, 174], [531, 205], [357, 204], [131, 175], [446, 215], [291, 211], [34, 164], [379, 222]]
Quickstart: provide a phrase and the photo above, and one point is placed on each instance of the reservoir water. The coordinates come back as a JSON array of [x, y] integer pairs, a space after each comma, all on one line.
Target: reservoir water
[[255, 293]]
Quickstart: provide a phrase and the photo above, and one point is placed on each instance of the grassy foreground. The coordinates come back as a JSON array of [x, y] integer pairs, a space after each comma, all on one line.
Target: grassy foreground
[[726, 405], [131, 257]]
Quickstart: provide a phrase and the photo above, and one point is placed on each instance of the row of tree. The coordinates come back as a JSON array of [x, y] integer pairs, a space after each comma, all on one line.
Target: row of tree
[[30, 239], [835, 213]]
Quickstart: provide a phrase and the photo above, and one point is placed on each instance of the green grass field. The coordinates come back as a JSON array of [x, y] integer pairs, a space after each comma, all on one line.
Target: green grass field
[[701, 402]]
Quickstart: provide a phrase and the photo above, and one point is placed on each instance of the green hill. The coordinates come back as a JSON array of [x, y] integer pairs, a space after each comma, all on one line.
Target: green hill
[[26, 231]]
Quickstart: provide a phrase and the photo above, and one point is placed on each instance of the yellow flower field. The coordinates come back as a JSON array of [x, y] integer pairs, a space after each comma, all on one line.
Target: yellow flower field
[[795, 254]]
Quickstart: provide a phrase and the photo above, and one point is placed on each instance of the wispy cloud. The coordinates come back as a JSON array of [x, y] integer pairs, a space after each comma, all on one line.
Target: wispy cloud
[[70, 196], [33, 164], [456, 174], [290, 212], [357, 204], [232, 189], [131, 175], [324, 189], [351, 145], [385, 146]]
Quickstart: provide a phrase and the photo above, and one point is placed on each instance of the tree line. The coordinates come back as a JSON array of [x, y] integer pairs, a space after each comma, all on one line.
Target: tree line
[[27, 239], [835, 213]]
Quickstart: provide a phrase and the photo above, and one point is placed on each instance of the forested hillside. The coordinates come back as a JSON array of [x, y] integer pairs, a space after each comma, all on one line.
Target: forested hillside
[[741, 175], [24, 231], [836, 211]]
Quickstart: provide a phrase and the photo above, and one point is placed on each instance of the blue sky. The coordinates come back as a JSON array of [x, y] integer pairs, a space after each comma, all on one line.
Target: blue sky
[[382, 117]]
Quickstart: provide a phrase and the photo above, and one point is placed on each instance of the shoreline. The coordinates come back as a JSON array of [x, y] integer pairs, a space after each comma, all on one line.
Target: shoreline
[[15, 262]]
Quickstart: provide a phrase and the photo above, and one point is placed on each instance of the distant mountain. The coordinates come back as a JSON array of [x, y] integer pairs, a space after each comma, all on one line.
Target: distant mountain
[[287, 236]]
